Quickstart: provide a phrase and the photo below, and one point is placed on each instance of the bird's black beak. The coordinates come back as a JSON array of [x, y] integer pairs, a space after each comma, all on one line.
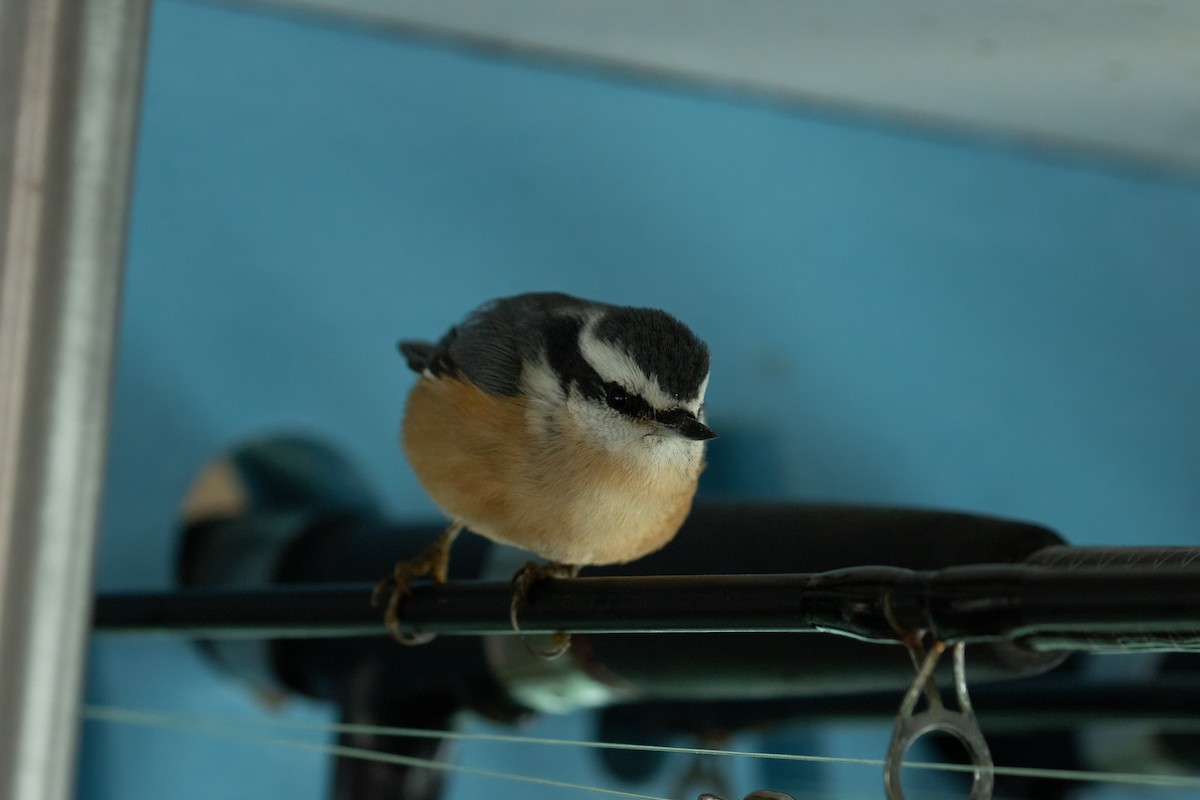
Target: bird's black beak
[[684, 423]]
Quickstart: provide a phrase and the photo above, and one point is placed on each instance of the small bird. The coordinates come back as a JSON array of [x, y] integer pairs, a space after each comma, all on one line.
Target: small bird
[[565, 427]]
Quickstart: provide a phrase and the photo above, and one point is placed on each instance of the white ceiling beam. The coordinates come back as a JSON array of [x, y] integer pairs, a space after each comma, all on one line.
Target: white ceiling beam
[[1115, 79]]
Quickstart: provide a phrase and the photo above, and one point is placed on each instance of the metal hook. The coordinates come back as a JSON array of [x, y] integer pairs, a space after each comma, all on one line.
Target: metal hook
[[960, 724]]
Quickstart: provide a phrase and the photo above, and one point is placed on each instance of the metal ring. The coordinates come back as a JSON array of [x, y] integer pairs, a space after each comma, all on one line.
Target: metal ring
[[961, 726]]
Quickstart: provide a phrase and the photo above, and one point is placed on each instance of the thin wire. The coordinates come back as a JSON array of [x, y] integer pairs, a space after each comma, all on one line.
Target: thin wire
[[232, 726], [184, 726], [113, 714]]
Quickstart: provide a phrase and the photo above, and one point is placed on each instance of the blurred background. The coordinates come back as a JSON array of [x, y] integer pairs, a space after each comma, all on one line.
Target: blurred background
[[994, 312]]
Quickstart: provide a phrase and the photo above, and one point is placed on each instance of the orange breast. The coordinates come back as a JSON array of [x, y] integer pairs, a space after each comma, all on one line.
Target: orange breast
[[566, 500]]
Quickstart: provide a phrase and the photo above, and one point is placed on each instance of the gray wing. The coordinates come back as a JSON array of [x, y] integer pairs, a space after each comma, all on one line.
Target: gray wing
[[492, 344]]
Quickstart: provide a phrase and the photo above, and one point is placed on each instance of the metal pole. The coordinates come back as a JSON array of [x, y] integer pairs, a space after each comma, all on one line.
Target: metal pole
[[1044, 608], [70, 80]]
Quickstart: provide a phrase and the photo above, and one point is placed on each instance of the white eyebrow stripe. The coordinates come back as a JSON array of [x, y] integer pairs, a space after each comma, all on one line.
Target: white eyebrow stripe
[[694, 405], [615, 365]]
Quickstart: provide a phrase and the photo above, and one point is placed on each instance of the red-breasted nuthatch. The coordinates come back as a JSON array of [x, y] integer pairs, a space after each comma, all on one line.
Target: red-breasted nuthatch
[[568, 428]]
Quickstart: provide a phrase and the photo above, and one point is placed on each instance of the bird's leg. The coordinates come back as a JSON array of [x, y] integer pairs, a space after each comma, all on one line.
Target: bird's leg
[[522, 582], [434, 561]]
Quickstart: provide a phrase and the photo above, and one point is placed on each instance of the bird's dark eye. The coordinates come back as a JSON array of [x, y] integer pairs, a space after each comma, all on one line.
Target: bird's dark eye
[[625, 402], [617, 398]]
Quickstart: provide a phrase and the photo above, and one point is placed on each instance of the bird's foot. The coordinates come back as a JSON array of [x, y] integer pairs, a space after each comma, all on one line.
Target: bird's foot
[[434, 562], [522, 583]]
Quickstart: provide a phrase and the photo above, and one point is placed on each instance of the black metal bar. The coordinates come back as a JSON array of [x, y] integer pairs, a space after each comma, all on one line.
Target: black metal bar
[[287, 612], [1043, 607]]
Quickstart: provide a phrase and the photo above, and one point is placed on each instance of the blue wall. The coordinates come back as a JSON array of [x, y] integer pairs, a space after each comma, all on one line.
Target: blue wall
[[892, 318]]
